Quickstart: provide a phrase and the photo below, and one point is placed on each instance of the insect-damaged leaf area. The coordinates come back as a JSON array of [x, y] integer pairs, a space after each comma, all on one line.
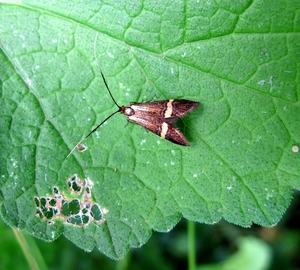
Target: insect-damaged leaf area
[[125, 182]]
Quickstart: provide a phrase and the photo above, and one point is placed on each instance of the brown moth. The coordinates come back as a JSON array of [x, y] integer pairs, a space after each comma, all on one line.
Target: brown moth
[[158, 116]]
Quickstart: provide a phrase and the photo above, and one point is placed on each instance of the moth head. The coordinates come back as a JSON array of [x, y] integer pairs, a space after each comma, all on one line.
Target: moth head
[[128, 111]]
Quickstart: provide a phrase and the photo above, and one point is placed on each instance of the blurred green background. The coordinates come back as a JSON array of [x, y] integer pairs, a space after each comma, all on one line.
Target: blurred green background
[[219, 246]]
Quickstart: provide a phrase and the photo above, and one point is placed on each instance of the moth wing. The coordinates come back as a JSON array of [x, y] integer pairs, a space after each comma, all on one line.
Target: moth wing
[[181, 107], [161, 127], [171, 108], [174, 135], [152, 109]]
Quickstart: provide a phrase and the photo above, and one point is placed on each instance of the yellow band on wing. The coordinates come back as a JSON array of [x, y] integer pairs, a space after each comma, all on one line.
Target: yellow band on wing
[[169, 109]]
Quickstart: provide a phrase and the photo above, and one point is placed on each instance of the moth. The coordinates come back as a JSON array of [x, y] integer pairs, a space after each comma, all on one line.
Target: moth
[[158, 116]]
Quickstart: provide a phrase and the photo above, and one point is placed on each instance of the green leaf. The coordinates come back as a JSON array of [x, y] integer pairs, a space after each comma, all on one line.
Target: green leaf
[[239, 59], [253, 254]]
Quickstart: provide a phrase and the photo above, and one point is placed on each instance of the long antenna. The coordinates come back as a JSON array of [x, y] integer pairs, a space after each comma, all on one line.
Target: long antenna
[[104, 80], [92, 131]]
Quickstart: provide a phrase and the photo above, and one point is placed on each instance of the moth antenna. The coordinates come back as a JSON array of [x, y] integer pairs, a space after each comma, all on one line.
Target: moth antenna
[[105, 82], [93, 131], [103, 78]]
